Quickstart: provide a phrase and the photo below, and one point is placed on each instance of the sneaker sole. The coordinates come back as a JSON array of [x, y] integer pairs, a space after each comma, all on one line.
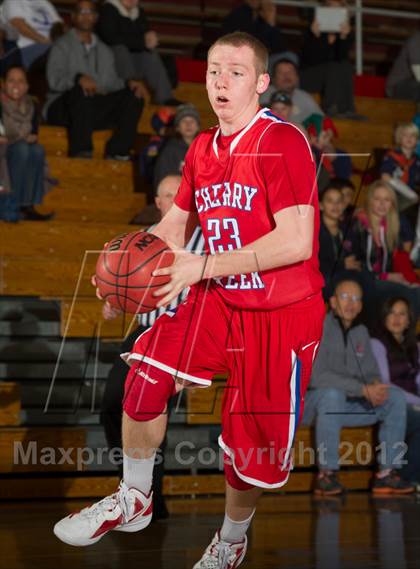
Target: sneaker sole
[[328, 493], [135, 525], [392, 491]]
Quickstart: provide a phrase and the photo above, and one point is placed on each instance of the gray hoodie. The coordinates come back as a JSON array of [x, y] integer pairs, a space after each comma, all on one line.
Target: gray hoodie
[[69, 58], [347, 364]]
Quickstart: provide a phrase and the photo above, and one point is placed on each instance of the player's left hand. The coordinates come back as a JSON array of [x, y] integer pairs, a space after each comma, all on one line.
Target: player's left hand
[[186, 270]]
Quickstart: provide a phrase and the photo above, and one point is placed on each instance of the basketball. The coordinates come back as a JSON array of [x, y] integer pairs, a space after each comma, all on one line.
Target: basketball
[[124, 271]]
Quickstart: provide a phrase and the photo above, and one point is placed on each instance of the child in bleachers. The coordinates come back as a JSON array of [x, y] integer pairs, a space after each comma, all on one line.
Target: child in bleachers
[[322, 135], [281, 105], [334, 259], [25, 156], [171, 156], [401, 165]]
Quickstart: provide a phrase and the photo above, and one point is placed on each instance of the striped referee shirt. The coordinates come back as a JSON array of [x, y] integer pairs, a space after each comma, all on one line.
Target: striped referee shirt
[[195, 245]]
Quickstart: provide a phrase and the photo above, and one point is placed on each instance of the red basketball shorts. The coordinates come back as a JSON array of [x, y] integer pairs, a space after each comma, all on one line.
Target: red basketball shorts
[[267, 356]]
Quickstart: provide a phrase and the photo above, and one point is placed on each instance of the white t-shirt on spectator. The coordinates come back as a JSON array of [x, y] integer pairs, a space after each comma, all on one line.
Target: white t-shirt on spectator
[[39, 14]]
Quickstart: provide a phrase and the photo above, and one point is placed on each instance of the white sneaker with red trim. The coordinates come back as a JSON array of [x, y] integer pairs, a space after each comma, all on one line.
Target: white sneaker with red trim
[[222, 555], [126, 510]]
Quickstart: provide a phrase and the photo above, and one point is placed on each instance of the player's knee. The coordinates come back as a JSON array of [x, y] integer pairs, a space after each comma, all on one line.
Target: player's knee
[[233, 479], [147, 391]]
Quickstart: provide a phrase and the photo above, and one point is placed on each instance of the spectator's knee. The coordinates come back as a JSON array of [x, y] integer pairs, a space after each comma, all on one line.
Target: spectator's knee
[[331, 398], [19, 149], [37, 150], [397, 398]]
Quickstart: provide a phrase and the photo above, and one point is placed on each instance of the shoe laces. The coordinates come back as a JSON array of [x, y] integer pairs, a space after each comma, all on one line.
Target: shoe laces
[[121, 498], [220, 556]]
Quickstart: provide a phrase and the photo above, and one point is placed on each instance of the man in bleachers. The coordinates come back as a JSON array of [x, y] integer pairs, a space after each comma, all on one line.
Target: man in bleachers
[[86, 94], [346, 391], [285, 78]]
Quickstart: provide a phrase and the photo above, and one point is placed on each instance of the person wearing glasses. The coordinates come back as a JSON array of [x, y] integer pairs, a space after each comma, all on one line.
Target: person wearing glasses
[[346, 391]]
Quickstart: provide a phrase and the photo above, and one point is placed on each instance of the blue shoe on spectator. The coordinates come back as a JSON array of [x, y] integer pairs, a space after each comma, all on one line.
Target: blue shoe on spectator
[[327, 484], [392, 483]]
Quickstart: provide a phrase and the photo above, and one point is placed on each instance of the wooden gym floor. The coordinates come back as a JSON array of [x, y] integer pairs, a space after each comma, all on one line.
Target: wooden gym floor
[[289, 531]]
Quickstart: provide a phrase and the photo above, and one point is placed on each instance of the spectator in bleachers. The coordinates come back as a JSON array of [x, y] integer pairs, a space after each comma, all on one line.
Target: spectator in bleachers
[[334, 259], [86, 93], [398, 356], [171, 156], [322, 133], [285, 78], [9, 51], [122, 24], [403, 81], [326, 68], [281, 105], [348, 191], [376, 240], [34, 21], [401, 166], [345, 390], [257, 18], [7, 199], [25, 156]]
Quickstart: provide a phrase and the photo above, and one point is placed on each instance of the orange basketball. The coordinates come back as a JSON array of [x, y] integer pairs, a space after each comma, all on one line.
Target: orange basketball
[[124, 271]]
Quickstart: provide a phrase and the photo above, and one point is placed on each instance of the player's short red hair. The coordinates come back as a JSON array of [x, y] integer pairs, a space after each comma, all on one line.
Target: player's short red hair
[[238, 39]]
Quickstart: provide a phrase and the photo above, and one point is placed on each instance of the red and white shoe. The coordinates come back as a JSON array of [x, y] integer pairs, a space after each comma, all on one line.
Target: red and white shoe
[[126, 510], [222, 555]]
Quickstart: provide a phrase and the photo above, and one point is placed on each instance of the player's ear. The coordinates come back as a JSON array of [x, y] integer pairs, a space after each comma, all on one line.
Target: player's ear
[[263, 82]]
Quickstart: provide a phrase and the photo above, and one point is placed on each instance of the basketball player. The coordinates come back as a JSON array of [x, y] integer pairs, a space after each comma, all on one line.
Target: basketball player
[[254, 310]]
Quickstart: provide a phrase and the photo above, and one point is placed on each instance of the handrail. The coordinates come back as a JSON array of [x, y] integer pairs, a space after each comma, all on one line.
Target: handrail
[[359, 11]]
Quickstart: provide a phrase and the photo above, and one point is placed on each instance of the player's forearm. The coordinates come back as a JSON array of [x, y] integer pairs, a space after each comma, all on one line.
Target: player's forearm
[[290, 242], [176, 227], [264, 254]]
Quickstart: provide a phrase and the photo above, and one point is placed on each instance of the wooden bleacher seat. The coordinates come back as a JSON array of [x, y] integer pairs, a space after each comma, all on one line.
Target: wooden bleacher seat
[[9, 404], [83, 318], [32, 449]]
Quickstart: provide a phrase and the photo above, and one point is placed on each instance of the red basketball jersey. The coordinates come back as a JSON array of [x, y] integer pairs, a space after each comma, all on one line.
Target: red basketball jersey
[[236, 184]]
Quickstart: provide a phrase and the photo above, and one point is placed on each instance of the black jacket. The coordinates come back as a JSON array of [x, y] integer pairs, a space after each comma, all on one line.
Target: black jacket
[[242, 19], [115, 29], [317, 50]]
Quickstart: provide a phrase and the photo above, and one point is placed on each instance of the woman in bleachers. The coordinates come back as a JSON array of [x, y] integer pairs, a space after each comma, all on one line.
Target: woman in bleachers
[[401, 165], [123, 25], [397, 353], [25, 156], [376, 241]]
